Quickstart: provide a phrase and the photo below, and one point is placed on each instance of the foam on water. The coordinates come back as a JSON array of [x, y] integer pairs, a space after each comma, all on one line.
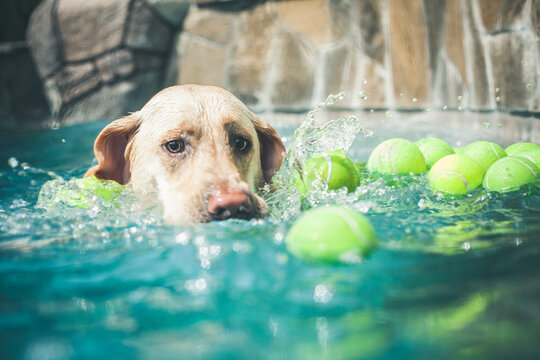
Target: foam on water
[[454, 276]]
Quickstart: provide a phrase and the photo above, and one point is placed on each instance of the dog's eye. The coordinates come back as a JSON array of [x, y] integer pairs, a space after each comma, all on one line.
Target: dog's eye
[[175, 146], [241, 144]]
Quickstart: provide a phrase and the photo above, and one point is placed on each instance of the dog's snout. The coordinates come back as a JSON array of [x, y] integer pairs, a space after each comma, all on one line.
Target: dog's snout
[[224, 204]]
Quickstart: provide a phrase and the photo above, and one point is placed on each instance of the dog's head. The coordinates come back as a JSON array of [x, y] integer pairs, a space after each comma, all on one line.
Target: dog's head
[[199, 148]]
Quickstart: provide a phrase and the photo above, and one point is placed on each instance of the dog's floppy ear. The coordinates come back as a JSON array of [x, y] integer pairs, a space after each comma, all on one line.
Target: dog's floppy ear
[[110, 150], [272, 149]]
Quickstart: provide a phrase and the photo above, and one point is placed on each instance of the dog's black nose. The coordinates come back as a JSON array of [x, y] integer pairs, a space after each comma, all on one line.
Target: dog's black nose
[[224, 205]]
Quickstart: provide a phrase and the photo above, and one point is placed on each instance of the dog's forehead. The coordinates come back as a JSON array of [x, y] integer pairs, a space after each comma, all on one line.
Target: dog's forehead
[[195, 108]]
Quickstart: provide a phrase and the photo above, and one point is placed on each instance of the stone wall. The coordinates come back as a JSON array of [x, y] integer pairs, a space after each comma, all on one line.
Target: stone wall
[[104, 58]]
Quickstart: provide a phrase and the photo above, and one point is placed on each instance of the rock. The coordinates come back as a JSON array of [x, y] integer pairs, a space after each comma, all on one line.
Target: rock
[[146, 31], [114, 100], [293, 70], [210, 24], [337, 67], [116, 64], [371, 37], [75, 80], [90, 28], [435, 11], [41, 37], [409, 53], [502, 15], [299, 16], [22, 98], [454, 39], [248, 55], [200, 62], [513, 57], [172, 11], [481, 90]]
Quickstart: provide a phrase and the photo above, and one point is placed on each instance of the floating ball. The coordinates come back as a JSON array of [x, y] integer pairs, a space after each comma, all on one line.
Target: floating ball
[[532, 155], [397, 156], [331, 234], [510, 174], [484, 153], [331, 169], [433, 149], [517, 148], [78, 192], [455, 174]]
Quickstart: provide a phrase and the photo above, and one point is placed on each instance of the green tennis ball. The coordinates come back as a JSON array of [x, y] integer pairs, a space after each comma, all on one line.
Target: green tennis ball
[[532, 155], [517, 148], [78, 192], [331, 169], [484, 153], [397, 156], [455, 174], [433, 149], [459, 149], [331, 234], [510, 174]]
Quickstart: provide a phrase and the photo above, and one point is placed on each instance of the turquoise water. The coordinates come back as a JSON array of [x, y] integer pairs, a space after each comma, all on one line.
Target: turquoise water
[[452, 278]]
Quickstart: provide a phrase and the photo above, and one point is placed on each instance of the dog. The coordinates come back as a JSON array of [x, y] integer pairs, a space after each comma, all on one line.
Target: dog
[[198, 148]]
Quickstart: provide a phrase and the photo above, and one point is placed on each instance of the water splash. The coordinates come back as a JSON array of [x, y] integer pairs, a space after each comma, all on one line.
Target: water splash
[[310, 139]]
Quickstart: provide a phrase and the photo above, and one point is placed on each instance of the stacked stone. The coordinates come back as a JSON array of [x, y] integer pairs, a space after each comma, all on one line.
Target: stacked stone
[[102, 58]]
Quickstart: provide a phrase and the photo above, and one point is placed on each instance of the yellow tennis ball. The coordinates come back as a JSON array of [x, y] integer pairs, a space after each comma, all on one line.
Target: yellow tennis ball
[[532, 155], [397, 156], [484, 153], [433, 149], [510, 174], [332, 169], [331, 234], [517, 148], [455, 174]]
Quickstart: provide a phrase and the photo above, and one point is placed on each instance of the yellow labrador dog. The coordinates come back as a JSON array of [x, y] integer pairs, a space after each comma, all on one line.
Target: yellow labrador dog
[[199, 148]]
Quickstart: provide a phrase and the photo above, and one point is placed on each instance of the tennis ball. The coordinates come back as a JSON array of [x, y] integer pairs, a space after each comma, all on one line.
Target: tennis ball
[[532, 155], [396, 156], [332, 169], [433, 149], [510, 174], [78, 192], [459, 150], [517, 148], [484, 153], [331, 234], [455, 174]]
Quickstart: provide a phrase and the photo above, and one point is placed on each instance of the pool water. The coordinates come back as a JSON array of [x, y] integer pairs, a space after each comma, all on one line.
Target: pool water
[[452, 278]]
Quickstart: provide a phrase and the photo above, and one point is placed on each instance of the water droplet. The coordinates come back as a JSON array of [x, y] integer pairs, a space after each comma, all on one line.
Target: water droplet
[[498, 99], [322, 294], [466, 246], [461, 107], [364, 82], [445, 107], [363, 95], [529, 85], [487, 124], [182, 238], [13, 162], [414, 100], [401, 94], [460, 98], [497, 90], [388, 114]]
